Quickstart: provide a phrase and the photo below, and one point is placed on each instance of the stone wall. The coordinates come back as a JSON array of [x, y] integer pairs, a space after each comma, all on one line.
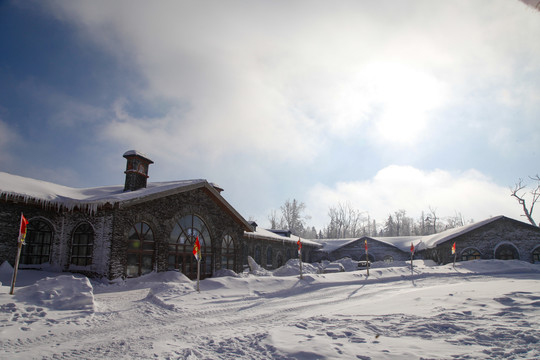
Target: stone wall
[[282, 251], [356, 250], [62, 223], [486, 239], [161, 215]]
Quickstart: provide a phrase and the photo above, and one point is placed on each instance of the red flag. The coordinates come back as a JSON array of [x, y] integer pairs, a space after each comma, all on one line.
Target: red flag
[[412, 248], [366, 244], [454, 249], [299, 242], [22, 230], [197, 249]]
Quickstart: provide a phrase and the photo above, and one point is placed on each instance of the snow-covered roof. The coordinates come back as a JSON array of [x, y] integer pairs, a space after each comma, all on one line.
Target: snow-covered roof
[[329, 245], [90, 199], [261, 233], [48, 193], [403, 243], [137, 153]]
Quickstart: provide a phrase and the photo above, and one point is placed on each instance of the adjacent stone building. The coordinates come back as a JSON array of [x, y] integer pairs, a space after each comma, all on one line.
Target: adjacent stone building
[[130, 230], [494, 238], [273, 248]]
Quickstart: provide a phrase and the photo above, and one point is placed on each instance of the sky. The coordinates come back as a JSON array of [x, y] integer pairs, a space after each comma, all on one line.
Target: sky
[[379, 105]]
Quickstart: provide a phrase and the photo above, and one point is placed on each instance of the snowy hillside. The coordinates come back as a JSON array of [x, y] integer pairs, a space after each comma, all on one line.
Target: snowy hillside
[[480, 310]]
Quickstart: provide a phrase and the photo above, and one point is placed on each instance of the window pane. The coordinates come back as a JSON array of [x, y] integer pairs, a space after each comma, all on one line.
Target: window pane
[[133, 234], [146, 264], [135, 244], [175, 234], [147, 245]]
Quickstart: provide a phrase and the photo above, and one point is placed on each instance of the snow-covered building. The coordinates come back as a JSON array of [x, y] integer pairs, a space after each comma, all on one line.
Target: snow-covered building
[[273, 248], [129, 230], [494, 238]]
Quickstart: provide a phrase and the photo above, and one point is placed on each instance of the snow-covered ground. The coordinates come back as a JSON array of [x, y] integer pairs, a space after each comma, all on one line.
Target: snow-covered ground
[[479, 310]]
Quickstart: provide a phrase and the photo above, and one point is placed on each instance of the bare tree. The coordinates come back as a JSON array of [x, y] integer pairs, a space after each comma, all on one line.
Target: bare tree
[[400, 221], [275, 222], [519, 194], [292, 216], [454, 221], [345, 222], [432, 220]]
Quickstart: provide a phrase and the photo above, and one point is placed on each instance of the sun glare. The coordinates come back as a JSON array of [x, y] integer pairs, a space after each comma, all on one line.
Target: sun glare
[[405, 96]]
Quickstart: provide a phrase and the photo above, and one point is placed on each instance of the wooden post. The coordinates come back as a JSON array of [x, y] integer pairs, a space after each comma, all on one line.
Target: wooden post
[[412, 255], [299, 242], [300, 260], [19, 247], [367, 258], [198, 273], [454, 252]]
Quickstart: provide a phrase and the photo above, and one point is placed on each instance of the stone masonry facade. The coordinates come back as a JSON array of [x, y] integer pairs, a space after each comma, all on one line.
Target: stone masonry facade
[[522, 237]]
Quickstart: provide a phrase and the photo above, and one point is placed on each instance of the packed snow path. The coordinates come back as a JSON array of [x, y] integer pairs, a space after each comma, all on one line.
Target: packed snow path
[[438, 313]]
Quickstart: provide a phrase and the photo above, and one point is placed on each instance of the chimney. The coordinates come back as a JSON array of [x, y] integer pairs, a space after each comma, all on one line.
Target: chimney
[[136, 170]]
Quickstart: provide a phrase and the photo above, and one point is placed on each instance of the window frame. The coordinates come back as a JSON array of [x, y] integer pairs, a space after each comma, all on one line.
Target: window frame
[[141, 247], [180, 246], [38, 243], [78, 257], [470, 254]]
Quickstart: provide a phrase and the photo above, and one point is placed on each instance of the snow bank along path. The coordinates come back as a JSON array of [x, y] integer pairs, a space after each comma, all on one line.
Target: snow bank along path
[[480, 310]]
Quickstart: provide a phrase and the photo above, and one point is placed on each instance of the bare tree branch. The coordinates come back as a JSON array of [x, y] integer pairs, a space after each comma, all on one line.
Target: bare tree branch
[[520, 196]]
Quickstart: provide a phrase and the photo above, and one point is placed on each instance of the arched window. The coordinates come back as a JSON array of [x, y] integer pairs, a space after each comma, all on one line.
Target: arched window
[[258, 254], [279, 260], [269, 259], [388, 259], [245, 255], [37, 248], [227, 253], [181, 242], [140, 252], [506, 252], [536, 256], [470, 254], [83, 245]]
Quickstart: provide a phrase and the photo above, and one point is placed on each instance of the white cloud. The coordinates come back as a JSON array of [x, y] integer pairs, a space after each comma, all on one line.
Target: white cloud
[[470, 193], [282, 82]]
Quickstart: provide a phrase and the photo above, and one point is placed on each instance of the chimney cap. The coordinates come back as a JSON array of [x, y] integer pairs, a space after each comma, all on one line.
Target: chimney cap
[[131, 153]]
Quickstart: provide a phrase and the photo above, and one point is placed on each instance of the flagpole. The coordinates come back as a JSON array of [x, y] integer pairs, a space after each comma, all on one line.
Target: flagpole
[[454, 251], [300, 256], [198, 255], [412, 254], [19, 247], [367, 259], [198, 273], [20, 240]]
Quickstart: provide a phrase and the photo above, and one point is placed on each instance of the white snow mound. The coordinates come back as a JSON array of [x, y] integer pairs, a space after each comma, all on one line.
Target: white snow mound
[[6, 271], [65, 292], [159, 277], [292, 267]]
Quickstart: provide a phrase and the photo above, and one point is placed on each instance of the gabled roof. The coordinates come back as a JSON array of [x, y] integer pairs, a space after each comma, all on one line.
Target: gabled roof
[[403, 243], [90, 199], [264, 234]]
